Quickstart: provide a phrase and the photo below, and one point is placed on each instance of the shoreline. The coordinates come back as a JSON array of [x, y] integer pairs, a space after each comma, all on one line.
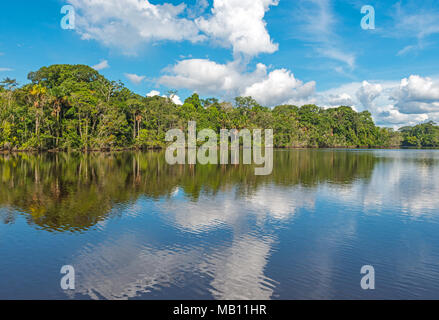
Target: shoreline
[[162, 149]]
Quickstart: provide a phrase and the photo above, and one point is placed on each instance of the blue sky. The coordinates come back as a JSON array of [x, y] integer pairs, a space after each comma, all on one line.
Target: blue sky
[[301, 51]]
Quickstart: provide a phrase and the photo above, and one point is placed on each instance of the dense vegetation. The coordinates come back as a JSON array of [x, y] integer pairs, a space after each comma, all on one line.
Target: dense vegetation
[[73, 107], [422, 135]]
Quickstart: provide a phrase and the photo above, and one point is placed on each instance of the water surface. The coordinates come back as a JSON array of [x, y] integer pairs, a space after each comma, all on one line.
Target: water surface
[[134, 227]]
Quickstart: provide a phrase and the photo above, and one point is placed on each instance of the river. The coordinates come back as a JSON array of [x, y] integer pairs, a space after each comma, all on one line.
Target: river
[[134, 227]]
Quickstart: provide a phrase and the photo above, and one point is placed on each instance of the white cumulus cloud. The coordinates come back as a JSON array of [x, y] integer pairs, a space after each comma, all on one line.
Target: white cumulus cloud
[[419, 89], [409, 101], [175, 98], [153, 93], [368, 92], [134, 78], [240, 24], [417, 95], [204, 76], [343, 99], [279, 87], [101, 65], [229, 80], [126, 24]]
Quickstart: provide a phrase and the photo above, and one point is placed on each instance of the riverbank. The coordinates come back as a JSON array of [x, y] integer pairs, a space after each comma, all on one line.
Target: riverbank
[[32, 151]]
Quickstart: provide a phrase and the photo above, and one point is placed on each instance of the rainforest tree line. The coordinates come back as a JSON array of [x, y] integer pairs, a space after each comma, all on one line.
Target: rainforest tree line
[[73, 107]]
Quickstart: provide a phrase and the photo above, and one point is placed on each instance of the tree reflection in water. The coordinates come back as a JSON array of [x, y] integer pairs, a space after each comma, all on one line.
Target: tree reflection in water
[[73, 191]]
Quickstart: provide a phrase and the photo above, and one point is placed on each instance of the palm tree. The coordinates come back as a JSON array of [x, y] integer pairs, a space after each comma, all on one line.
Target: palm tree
[[39, 96], [136, 109]]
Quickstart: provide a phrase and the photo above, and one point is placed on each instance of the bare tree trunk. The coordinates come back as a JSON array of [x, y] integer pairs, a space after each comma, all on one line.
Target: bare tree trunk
[[37, 126], [57, 130], [86, 132], [134, 126], [80, 125]]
